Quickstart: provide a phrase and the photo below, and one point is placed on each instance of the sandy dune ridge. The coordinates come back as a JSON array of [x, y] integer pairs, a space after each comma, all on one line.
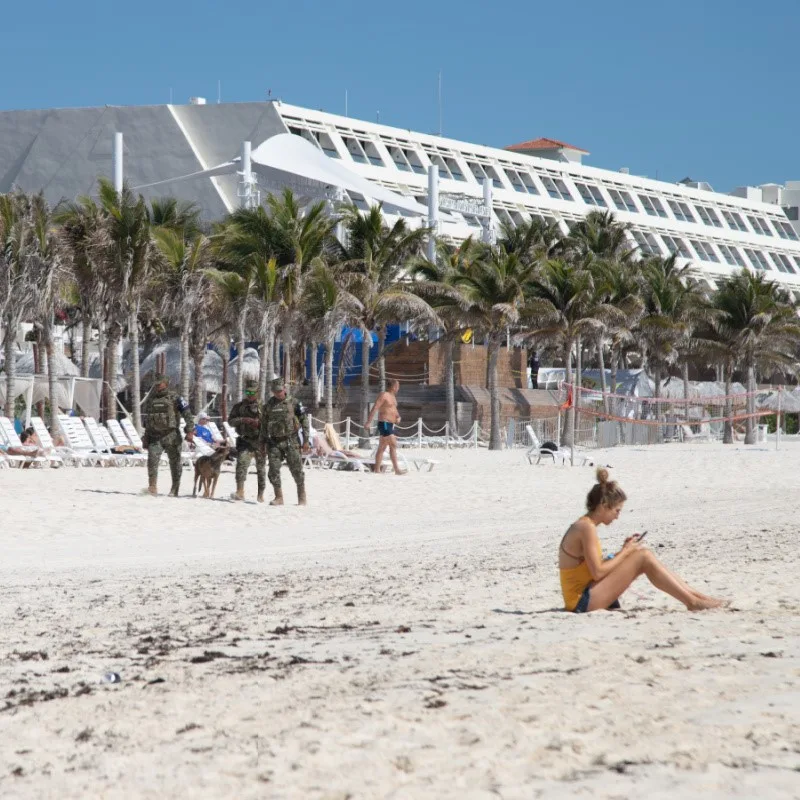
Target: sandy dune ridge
[[400, 637]]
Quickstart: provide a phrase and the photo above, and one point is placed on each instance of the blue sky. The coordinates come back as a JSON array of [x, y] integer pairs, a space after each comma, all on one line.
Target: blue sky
[[704, 88]]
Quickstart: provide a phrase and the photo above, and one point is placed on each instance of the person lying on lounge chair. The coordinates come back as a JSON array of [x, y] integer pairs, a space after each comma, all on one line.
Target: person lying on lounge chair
[[589, 583]]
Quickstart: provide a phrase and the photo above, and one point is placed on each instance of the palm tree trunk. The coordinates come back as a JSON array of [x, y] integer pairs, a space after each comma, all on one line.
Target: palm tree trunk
[[566, 430], [276, 354], [198, 355], [86, 340], [727, 437], [495, 442], [287, 358], [37, 370], [576, 398], [185, 358], [657, 395], [101, 362], [111, 380], [51, 371], [601, 361], [450, 385], [270, 348], [366, 341], [240, 362], [262, 369], [685, 369], [224, 401], [136, 388], [750, 422], [329, 379], [312, 361], [10, 367], [381, 358]]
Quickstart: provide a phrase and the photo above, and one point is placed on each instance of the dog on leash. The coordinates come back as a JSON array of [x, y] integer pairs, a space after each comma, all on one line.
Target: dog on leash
[[206, 471]]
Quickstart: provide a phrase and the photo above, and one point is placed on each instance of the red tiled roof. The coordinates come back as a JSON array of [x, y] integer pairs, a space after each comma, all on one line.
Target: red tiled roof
[[544, 144]]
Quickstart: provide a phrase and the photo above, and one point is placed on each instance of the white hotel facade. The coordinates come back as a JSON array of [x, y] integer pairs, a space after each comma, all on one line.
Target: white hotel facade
[[190, 151]]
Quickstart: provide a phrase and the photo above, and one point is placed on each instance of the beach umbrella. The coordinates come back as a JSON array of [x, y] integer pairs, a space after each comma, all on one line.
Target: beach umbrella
[[63, 366]]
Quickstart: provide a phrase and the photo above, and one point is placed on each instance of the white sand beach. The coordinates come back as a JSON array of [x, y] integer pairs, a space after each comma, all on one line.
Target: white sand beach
[[399, 637]]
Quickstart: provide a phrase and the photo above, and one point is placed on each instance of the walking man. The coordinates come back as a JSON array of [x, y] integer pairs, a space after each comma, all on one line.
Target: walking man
[[281, 420], [163, 410], [386, 409], [245, 418]]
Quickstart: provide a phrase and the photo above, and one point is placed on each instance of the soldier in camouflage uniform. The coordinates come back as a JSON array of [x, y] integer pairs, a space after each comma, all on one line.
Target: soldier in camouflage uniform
[[163, 410], [281, 420], [245, 418]]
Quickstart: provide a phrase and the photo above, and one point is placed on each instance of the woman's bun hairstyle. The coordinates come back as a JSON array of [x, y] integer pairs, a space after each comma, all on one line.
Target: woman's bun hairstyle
[[604, 492]]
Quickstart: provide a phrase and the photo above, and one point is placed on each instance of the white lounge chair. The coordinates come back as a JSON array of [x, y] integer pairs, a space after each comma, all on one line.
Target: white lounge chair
[[115, 436], [705, 435], [51, 452], [77, 438], [9, 437], [558, 456], [216, 433], [230, 433]]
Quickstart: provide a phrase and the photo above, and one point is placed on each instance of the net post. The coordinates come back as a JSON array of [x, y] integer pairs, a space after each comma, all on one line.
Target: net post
[[419, 432], [447, 435], [347, 434]]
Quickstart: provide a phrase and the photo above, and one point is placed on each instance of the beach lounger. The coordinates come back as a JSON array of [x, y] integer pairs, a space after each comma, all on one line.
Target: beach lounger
[[558, 456], [115, 436], [79, 442], [688, 435], [230, 433], [9, 437], [51, 452]]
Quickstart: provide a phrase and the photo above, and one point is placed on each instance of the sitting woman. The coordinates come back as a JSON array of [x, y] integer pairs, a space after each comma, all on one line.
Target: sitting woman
[[589, 583]]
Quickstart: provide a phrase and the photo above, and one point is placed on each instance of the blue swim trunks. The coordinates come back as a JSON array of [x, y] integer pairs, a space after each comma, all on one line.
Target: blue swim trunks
[[385, 428]]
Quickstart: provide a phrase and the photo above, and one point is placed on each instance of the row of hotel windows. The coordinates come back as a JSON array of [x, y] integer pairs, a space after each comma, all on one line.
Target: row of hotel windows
[[363, 151], [696, 249]]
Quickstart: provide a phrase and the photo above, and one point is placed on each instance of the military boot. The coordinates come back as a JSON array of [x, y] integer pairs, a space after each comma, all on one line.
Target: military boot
[[301, 495], [152, 489], [260, 497], [238, 495], [278, 501], [173, 492]]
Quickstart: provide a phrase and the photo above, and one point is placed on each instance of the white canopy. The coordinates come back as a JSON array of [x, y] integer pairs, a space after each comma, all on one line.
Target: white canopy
[[295, 155]]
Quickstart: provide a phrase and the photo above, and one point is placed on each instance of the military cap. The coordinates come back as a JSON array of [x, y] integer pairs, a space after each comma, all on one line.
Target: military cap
[[251, 385], [277, 385]]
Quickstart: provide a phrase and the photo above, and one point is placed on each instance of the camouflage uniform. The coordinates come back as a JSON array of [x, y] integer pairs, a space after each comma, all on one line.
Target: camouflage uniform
[[245, 418], [280, 422], [163, 410]]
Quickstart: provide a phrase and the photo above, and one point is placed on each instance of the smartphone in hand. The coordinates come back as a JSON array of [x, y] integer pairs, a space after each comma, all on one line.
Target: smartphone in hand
[[640, 536]]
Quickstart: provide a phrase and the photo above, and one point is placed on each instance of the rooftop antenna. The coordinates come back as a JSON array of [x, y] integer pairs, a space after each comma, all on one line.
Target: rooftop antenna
[[170, 95], [440, 102], [219, 92], [377, 116]]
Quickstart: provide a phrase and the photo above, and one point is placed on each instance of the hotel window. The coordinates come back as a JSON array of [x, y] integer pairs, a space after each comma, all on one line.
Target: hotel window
[[455, 170], [757, 259], [705, 251], [681, 211], [652, 205], [414, 161], [439, 162], [760, 225], [647, 242], [734, 221], [528, 181], [371, 152], [354, 148], [515, 180], [492, 175], [677, 245], [399, 158], [731, 255], [556, 188], [590, 194], [327, 145], [708, 216], [797, 262], [785, 230], [782, 262], [623, 201]]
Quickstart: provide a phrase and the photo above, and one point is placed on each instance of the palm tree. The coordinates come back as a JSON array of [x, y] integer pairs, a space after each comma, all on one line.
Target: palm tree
[[17, 245], [180, 216], [328, 306], [182, 285], [375, 263], [81, 225], [602, 243], [267, 300], [752, 322], [47, 268], [669, 301], [234, 291], [127, 264], [441, 279], [534, 240], [564, 308], [496, 286]]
